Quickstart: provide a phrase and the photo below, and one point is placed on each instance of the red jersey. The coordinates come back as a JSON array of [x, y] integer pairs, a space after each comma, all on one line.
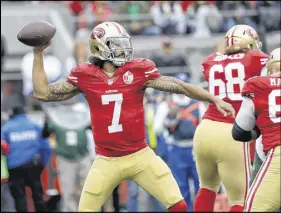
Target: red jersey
[[226, 75], [266, 95], [116, 104]]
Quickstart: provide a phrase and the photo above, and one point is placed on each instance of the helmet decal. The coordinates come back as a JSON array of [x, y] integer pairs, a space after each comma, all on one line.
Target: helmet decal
[[252, 33], [98, 32]]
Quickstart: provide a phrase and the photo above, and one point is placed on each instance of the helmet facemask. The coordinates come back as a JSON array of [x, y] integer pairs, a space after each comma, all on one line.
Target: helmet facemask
[[258, 45], [119, 51]]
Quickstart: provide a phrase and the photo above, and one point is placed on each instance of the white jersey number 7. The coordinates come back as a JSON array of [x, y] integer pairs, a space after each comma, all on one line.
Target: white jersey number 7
[[118, 99]]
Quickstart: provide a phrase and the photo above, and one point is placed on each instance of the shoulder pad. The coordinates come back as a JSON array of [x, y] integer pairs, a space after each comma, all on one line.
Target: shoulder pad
[[138, 60], [254, 86], [84, 68], [142, 64], [257, 53], [211, 57], [256, 59]]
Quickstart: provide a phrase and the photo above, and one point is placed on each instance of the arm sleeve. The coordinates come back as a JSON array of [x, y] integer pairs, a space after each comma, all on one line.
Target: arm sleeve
[[245, 118], [244, 128], [240, 134]]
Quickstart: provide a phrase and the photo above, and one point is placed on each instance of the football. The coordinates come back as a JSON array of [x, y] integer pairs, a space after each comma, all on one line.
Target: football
[[36, 33]]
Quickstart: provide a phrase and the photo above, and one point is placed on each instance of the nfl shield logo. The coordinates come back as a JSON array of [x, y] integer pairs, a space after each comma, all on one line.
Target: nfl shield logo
[[128, 77]]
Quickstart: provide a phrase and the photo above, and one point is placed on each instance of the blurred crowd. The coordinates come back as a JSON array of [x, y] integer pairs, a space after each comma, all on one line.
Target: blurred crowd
[[175, 17], [200, 18]]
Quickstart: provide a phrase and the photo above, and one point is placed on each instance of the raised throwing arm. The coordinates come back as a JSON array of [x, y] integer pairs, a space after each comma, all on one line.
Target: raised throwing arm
[[42, 89], [170, 84]]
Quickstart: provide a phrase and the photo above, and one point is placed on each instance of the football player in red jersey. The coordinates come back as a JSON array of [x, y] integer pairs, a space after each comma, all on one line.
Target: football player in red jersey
[[114, 83], [218, 156], [260, 113]]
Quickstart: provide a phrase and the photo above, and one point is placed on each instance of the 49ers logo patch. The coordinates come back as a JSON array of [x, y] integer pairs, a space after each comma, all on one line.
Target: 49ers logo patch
[[128, 77], [252, 33], [98, 32]]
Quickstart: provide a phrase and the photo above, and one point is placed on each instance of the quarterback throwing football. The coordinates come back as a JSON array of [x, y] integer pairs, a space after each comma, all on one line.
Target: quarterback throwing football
[[114, 83]]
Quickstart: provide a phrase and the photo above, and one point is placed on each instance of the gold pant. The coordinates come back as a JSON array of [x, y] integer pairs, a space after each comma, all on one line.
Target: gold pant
[[220, 158], [264, 194], [144, 167]]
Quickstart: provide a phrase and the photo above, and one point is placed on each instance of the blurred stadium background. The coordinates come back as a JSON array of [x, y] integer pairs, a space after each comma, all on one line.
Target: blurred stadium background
[[177, 35]]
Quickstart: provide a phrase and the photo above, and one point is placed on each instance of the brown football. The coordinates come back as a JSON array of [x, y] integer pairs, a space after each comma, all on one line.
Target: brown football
[[36, 33]]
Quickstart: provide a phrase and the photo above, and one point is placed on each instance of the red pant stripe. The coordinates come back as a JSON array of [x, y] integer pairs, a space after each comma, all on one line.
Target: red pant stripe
[[258, 180]]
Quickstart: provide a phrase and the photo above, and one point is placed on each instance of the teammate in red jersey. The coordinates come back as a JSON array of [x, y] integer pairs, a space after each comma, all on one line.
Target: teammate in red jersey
[[260, 113], [218, 156], [114, 84]]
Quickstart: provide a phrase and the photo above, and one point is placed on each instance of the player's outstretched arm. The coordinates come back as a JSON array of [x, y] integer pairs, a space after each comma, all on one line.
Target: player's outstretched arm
[[170, 84], [42, 89]]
